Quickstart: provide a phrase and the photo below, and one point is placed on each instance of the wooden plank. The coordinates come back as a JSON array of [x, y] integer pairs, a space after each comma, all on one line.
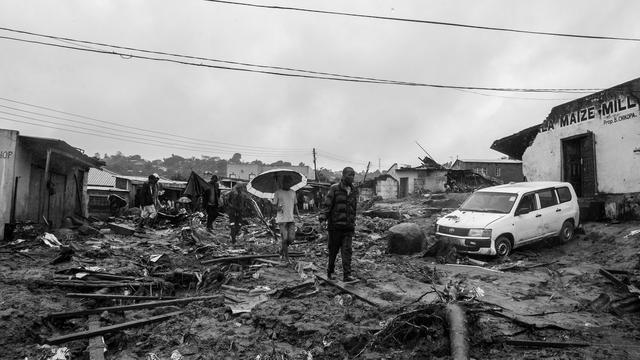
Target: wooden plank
[[345, 289], [544, 344], [629, 288], [96, 346], [145, 305], [271, 262], [109, 329], [92, 284], [246, 257], [117, 297], [121, 229]]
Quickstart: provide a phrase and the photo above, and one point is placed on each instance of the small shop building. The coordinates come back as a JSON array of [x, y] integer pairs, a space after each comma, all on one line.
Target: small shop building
[[593, 143], [41, 181]]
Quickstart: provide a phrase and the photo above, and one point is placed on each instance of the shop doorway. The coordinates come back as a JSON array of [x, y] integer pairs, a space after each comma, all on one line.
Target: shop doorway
[[404, 187], [578, 163]]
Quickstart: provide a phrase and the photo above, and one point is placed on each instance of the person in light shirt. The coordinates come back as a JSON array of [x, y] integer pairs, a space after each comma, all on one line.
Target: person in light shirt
[[286, 201]]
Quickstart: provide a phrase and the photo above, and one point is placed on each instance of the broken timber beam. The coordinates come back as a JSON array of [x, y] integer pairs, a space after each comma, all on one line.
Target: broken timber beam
[[145, 305], [544, 344], [109, 329], [122, 229], [118, 297], [341, 287], [629, 288], [96, 344], [246, 257], [92, 284]]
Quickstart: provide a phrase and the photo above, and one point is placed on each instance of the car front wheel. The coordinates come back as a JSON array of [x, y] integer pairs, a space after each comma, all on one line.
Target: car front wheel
[[567, 231], [503, 246]]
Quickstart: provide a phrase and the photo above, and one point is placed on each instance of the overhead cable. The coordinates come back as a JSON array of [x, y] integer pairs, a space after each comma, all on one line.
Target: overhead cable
[[203, 144], [113, 137], [173, 136], [122, 137], [335, 77], [430, 22]]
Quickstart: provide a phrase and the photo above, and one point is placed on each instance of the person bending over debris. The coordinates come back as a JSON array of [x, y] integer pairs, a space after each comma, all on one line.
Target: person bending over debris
[[339, 210], [238, 200], [211, 196], [148, 201], [286, 202]]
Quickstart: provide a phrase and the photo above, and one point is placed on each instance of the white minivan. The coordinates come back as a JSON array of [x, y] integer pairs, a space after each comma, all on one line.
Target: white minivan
[[498, 219]]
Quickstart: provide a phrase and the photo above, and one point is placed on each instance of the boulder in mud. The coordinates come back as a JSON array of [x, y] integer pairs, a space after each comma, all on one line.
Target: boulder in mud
[[405, 239]]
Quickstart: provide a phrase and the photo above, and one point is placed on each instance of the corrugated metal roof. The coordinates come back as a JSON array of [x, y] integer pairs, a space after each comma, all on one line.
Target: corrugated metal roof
[[40, 145], [99, 177], [105, 188], [166, 183], [492, 161]]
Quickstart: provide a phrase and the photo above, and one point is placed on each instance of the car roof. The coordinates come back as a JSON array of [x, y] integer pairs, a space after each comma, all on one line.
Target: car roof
[[523, 187]]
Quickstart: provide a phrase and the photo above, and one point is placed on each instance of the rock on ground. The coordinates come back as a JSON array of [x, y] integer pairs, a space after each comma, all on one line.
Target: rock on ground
[[405, 239]]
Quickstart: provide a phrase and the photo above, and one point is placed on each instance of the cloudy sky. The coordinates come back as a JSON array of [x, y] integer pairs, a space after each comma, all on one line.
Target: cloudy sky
[[195, 110]]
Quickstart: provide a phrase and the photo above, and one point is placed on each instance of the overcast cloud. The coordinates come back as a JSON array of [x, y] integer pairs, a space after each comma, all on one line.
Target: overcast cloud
[[287, 117]]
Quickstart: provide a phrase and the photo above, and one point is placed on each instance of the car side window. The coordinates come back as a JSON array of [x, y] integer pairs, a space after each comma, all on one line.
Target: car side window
[[564, 194], [528, 202], [547, 198]]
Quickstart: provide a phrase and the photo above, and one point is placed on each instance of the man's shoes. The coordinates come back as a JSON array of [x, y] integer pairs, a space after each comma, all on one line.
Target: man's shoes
[[348, 278], [330, 276]]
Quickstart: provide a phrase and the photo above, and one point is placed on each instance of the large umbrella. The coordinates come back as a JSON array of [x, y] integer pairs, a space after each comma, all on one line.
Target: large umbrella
[[265, 185]]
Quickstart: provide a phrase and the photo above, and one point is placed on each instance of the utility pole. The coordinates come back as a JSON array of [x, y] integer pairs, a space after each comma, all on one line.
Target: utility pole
[[379, 164], [315, 169], [366, 172]]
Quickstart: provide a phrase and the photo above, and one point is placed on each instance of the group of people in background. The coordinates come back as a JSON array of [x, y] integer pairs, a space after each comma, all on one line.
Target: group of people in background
[[337, 210]]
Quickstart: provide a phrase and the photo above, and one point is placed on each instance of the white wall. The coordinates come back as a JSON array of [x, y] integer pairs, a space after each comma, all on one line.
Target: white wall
[[8, 141], [387, 188], [617, 148]]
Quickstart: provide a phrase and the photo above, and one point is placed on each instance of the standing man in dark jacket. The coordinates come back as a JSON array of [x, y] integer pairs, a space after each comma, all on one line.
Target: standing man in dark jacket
[[211, 196], [236, 206], [339, 209], [149, 200]]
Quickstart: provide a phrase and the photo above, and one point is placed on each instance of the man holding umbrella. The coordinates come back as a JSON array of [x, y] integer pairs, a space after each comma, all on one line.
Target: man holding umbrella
[[339, 210], [280, 185], [286, 202]]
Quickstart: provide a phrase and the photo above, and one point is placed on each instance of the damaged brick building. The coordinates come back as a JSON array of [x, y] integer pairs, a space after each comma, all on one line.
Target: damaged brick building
[[592, 142]]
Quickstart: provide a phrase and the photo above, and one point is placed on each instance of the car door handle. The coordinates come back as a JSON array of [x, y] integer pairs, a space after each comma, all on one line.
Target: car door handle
[[558, 210], [538, 215]]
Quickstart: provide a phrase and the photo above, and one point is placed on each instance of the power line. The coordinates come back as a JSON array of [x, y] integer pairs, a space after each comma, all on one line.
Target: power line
[[121, 137], [431, 22], [237, 146], [336, 77], [78, 42], [145, 136], [108, 137], [333, 157]]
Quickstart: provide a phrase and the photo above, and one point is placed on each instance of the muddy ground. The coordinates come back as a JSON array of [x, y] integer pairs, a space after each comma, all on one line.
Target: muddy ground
[[543, 292]]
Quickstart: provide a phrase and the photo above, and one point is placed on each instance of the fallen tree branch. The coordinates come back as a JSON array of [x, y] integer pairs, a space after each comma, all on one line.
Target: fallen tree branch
[[458, 332]]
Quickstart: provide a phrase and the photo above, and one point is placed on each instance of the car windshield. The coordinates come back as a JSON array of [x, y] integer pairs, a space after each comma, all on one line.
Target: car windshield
[[491, 202]]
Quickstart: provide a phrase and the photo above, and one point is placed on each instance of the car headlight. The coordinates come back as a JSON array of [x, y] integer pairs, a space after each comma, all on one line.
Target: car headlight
[[480, 232]]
